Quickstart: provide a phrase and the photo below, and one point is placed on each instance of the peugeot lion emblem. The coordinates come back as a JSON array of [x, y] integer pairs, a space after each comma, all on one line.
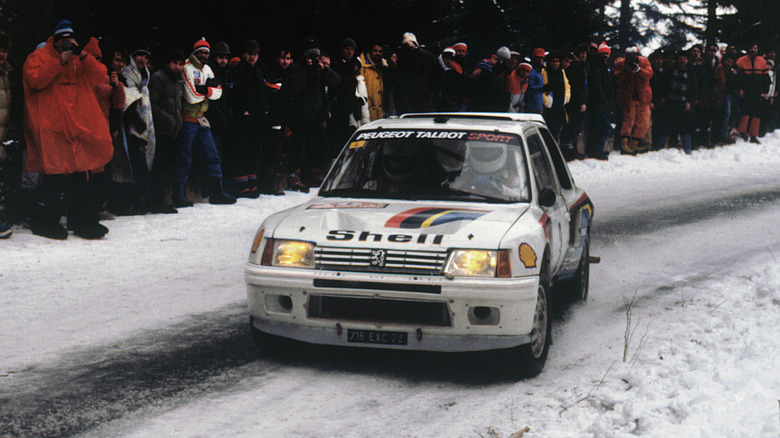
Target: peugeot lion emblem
[[378, 258]]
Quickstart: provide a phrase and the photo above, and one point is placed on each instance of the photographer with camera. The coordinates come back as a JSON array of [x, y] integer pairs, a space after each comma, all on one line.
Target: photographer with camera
[[67, 135], [633, 95]]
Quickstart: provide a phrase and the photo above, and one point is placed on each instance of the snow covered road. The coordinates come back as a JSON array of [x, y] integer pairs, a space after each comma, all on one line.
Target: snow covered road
[[145, 333]]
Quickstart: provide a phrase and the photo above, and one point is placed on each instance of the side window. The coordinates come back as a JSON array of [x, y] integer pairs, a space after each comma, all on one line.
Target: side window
[[557, 158], [543, 171]]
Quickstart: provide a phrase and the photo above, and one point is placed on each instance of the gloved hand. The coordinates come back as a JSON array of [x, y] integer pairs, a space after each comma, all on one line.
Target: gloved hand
[[202, 89], [212, 82]]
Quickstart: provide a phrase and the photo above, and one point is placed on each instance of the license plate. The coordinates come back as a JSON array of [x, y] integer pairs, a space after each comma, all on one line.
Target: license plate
[[376, 337]]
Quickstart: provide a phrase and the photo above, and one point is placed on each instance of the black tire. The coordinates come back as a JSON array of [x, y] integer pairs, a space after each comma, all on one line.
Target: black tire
[[528, 360], [576, 289]]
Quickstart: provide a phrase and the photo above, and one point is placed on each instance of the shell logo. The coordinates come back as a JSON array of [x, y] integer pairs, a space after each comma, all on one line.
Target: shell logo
[[527, 256]]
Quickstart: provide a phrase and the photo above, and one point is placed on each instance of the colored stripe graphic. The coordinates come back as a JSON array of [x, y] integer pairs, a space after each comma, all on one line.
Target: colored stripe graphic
[[425, 217]]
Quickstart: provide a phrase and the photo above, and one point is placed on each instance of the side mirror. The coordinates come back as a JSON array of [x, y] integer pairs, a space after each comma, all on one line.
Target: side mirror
[[546, 198]]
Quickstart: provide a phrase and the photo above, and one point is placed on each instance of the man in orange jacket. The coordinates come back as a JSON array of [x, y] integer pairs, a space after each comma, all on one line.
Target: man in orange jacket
[[67, 134], [633, 96]]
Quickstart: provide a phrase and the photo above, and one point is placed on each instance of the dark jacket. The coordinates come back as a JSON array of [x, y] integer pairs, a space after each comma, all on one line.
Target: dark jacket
[[165, 92], [246, 91], [304, 95], [218, 111], [601, 95], [577, 75], [414, 73]]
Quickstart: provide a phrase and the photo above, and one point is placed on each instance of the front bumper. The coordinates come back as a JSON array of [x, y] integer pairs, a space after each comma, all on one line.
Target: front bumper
[[437, 314]]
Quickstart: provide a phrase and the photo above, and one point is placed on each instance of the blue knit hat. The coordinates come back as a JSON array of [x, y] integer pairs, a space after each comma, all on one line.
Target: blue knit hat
[[64, 29]]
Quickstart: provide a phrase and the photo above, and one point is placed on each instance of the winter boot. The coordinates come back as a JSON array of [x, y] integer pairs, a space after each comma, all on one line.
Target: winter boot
[[243, 188], [569, 153], [294, 183], [46, 213], [218, 195], [626, 148], [180, 197], [638, 146]]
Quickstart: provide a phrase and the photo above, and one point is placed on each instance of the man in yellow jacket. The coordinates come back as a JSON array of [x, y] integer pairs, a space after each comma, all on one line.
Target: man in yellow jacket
[[374, 70]]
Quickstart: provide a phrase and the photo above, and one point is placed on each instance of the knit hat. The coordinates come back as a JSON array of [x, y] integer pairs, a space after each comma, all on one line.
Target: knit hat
[[141, 51], [503, 53], [221, 48], [603, 48], [525, 66], [410, 38], [201, 44], [460, 46], [348, 42], [311, 52], [449, 50], [5, 41], [485, 65], [539, 52], [233, 61], [93, 48], [174, 55], [633, 49], [64, 29], [251, 46]]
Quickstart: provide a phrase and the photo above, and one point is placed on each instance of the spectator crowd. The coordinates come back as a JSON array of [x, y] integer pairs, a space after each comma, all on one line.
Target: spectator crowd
[[91, 132]]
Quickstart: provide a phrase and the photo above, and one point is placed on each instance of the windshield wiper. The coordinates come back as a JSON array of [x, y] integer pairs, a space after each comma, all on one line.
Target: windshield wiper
[[353, 192], [477, 197]]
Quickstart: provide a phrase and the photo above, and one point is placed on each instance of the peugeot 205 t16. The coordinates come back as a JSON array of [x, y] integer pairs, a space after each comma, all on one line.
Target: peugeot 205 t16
[[431, 232]]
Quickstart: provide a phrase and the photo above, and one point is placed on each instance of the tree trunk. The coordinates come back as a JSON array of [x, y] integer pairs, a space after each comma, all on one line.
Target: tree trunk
[[711, 33], [626, 13]]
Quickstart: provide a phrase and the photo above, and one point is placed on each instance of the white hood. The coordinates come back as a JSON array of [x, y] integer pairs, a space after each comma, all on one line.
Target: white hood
[[399, 224]]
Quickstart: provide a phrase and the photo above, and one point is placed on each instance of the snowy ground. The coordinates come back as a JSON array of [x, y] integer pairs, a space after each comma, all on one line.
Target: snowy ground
[[690, 241]]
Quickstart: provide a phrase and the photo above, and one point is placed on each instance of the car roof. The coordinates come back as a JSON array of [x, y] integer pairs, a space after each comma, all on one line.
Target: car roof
[[481, 121]]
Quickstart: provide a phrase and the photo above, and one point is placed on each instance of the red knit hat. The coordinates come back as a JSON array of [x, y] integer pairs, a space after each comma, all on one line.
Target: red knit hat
[[201, 44], [460, 46], [604, 48]]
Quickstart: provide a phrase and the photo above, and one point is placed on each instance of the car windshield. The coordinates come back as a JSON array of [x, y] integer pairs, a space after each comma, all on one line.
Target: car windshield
[[431, 165]]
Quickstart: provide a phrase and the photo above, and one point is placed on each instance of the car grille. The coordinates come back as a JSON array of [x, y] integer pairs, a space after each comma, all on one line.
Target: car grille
[[379, 310], [380, 260]]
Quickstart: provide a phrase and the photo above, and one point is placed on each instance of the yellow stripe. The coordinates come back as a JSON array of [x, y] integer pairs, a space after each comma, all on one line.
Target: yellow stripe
[[430, 220]]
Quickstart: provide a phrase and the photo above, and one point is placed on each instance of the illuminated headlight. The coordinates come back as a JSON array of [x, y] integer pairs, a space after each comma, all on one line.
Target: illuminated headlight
[[292, 253], [472, 262], [478, 263]]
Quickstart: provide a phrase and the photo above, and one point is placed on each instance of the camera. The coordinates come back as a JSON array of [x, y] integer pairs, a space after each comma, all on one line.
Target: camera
[[70, 46]]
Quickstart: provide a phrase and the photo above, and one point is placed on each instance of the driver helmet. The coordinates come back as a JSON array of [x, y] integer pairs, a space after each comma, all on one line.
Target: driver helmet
[[486, 157], [400, 161]]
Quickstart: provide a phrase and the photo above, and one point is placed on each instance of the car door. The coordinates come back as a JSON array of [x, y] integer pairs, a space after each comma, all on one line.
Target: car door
[[557, 221]]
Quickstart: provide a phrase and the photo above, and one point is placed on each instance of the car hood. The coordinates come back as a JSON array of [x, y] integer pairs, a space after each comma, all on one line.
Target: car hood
[[401, 224]]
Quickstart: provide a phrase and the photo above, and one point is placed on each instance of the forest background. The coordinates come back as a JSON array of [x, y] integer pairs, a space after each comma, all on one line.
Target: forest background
[[484, 24]]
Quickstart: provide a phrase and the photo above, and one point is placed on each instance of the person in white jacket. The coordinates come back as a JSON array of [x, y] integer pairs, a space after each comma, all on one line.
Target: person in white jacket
[[199, 88], [361, 92]]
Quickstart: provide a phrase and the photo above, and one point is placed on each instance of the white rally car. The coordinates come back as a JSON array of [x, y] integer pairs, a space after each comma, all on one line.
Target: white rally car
[[434, 232]]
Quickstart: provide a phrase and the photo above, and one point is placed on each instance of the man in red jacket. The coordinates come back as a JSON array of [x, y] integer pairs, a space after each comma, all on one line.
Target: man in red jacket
[[633, 96], [67, 134]]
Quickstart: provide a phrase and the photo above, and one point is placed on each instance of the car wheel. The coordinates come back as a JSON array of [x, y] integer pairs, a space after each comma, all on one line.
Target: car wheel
[[577, 287], [265, 342], [528, 360]]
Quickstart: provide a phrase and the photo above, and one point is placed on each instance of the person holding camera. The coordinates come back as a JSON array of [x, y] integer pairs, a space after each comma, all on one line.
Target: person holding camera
[[633, 95], [67, 135], [199, 88]]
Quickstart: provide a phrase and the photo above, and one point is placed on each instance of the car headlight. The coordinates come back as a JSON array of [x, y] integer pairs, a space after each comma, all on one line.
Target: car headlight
[[292, 253], [471, 262]]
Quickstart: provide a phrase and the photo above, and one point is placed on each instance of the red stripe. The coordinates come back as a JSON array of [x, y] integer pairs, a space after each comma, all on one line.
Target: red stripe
[[544, 221], [395, 221]]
